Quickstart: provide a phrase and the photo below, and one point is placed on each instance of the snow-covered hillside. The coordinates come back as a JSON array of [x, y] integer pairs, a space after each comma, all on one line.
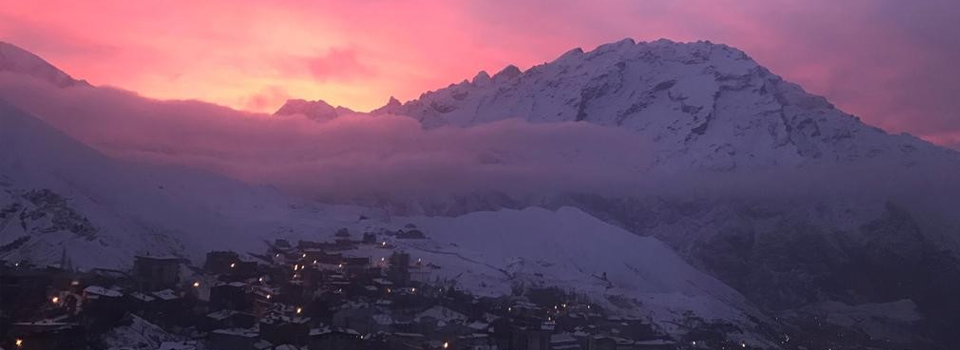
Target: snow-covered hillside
[[59, 194]]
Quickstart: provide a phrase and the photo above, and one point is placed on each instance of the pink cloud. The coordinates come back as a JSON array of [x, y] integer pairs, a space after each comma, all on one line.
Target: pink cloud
[[337, 64]]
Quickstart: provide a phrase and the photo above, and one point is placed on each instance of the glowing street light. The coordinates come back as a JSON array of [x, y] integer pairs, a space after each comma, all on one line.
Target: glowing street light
[[55, 300], [196, 284], [268, 296], [19, 342], [446, 345], [232, 265], [304, 255], [299, 310]]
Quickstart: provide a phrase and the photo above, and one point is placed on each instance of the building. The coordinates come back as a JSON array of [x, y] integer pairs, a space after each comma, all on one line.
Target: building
[[231, 296], [155, 273]]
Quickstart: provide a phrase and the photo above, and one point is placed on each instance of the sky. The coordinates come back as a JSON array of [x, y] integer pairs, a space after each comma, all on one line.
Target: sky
[[890, 62]]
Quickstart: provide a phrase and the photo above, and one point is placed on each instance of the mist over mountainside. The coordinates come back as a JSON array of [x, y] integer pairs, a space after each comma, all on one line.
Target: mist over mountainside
[[796, 205]]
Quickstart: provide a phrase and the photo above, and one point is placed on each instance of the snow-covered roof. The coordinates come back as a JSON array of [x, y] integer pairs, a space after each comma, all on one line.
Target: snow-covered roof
[[441, 313], [166, 294], [142, 297], [241, 332], [101, 291]]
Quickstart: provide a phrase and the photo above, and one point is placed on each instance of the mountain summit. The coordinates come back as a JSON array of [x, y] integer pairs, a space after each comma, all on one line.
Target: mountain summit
[[19, 61]]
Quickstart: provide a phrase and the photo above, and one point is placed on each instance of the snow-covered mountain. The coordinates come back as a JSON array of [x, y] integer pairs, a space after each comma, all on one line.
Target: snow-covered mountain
[[771, 189], [799, 207], [705, 106], [60, 198], [19, 61]]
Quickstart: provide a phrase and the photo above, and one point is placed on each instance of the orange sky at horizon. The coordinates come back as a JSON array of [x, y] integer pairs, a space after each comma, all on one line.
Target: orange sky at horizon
[[254, 55]]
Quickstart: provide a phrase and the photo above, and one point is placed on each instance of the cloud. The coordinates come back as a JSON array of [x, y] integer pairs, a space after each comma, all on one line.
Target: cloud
[[337, 64], [354, 156], [267, 99]]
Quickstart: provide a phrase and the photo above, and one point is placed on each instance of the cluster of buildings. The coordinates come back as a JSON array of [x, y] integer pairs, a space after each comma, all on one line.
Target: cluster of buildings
[[308, 295]]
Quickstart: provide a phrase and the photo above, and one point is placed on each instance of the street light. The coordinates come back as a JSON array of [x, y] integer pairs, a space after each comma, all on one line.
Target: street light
[[55, 300], [19, 342], [196, 284]]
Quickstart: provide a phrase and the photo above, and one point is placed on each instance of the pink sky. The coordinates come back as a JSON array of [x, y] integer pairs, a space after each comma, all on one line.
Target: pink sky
[[893, 63]]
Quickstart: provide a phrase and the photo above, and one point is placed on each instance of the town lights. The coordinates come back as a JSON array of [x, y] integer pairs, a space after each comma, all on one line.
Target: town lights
[[299, 310], [304, 255], [446, 345], [18, 342], [269, 296], [232, 265], [383, 244], [55, 300], [260, 279], [743, 345], [196, 284], [314, 262]]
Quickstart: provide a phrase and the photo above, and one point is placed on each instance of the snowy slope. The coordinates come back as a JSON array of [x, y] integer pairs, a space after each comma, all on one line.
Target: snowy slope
[[60, 193], [489, 252]]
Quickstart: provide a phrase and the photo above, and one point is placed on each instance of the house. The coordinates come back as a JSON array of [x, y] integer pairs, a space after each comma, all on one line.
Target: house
[[335, 338], [655, 344], [220, 262], [564, 341], [229, 319], [231, 296], [410, 234], [399, 270], [154, 273], [362, 318], [46, 334], [102, 308], [279, 329], [233, 339]]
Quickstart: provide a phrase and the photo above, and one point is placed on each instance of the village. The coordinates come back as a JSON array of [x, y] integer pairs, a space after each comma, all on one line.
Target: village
[[331, 294]]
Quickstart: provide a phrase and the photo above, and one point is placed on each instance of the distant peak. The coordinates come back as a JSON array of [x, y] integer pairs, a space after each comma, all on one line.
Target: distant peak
[[318, 110], [508, 72], [481, 78], [17, 60]]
